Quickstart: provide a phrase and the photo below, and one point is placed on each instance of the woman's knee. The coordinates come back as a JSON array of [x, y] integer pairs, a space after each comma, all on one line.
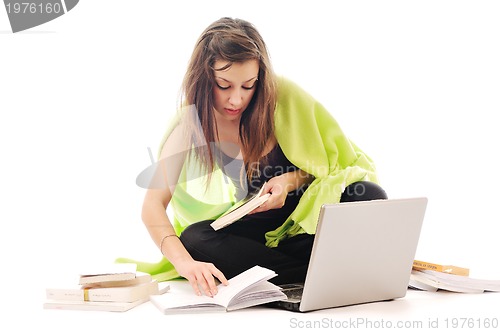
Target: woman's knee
[[197, 235], [363, 191]]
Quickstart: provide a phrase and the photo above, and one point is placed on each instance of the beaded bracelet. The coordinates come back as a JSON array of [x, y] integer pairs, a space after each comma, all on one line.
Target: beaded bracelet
[[163, 239]]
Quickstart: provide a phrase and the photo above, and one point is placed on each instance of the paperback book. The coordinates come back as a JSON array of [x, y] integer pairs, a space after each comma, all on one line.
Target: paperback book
[[247, 289], [240, 209], [112, 272], [118, 288], [429, 280], [104, 294], [93, 306], [452, 269]]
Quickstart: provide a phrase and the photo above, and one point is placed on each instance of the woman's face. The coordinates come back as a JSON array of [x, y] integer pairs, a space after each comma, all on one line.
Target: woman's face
[[234, 88]]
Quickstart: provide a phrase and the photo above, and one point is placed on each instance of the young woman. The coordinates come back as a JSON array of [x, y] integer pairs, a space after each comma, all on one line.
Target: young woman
[[242, 127]]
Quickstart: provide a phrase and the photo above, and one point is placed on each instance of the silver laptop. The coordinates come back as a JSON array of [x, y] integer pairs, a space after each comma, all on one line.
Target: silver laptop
[[363, 252]]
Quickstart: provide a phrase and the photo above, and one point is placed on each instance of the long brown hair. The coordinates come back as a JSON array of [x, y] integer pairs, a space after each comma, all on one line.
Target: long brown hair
[[234, 41]]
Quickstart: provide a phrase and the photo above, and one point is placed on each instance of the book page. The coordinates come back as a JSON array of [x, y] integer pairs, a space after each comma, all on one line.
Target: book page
[[458, 280], [241, 283], [260, 293], [432, 281], [182, 297]]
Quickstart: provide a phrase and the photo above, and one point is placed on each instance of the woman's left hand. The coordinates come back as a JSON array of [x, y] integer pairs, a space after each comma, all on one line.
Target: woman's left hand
[[278, 187]]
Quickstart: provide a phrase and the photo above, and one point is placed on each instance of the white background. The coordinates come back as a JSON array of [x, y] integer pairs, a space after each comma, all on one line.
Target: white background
[[414, 83]]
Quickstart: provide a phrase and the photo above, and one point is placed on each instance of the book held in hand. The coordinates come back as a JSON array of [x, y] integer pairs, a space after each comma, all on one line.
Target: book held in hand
[[240, 209], [249, 288]]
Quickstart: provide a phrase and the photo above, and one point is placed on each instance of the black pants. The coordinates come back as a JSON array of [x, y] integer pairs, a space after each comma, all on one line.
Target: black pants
[[241, 245]]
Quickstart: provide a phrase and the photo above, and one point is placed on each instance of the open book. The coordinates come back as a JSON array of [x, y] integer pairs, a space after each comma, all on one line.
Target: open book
[[249, 288], [240, 209], [433, 281]]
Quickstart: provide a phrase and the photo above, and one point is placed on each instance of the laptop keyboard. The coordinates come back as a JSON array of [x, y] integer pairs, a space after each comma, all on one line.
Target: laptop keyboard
[[293, 291]]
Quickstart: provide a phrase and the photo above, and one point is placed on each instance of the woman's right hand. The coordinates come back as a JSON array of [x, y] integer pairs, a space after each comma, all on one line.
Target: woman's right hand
[[201, 275]]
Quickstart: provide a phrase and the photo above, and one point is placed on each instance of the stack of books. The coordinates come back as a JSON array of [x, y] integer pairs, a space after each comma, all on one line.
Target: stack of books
[[118, 287], [433, 277]]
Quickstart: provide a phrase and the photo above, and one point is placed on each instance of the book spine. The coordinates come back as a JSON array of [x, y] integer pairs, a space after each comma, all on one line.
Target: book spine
[[114, 294], [102, 278], [98, 306], [427, 266], [65, 294], [451, 269], [142, 279], [123, 294]]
